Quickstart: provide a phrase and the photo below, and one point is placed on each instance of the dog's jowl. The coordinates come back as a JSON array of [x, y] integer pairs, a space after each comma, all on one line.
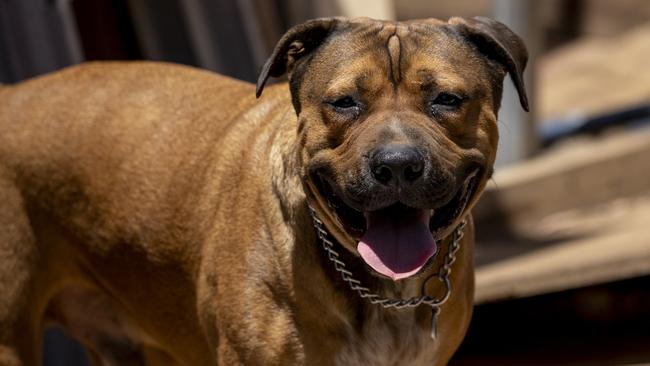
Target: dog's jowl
[[165, 215]]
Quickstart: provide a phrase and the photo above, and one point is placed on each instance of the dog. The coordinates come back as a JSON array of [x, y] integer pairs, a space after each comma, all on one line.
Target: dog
[[163, 215]]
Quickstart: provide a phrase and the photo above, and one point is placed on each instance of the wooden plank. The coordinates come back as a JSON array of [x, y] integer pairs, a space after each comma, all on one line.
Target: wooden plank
[[576, 175], [607, 243], [574, 217]]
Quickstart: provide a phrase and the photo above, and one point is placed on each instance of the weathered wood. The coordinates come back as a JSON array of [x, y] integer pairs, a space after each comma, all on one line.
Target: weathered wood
[[601, 244], [575, 217], [578, 175]]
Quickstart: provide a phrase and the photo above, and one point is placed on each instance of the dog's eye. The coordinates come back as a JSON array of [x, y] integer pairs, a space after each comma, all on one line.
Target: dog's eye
[[344, 103], [447, 99]]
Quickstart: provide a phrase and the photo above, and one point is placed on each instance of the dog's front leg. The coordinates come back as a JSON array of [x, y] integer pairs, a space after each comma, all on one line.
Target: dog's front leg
[[248, 330], [19, 262]]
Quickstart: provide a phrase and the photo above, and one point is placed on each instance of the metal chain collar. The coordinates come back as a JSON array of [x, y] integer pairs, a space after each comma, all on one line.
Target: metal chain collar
[[364, 292]]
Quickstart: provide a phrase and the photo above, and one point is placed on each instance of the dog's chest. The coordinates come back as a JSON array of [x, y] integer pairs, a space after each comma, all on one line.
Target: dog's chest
[[387, 341]]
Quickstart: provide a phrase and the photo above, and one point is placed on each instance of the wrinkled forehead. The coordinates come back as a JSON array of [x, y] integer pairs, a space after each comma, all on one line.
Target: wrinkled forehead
[[425, 52]]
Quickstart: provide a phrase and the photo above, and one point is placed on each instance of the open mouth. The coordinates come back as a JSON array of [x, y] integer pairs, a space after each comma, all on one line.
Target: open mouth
[[398, 241]]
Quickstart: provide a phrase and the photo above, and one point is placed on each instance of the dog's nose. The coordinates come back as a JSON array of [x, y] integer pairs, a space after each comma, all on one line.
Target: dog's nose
[[395, 164]]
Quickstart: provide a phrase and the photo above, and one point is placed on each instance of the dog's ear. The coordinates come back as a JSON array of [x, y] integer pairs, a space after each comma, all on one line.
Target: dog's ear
[[294, 44], [499, 43]]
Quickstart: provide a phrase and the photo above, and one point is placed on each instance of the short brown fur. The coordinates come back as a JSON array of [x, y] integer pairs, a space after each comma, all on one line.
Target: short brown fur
[[159, 212]]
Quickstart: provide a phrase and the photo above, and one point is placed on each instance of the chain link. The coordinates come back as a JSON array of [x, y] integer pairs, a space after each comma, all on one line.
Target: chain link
[[364, 292]]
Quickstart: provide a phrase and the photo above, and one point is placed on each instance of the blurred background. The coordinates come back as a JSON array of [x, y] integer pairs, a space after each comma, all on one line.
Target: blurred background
[[563, 230]]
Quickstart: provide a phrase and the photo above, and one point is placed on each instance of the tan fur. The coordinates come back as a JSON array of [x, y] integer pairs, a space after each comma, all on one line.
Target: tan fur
[[158, 212]]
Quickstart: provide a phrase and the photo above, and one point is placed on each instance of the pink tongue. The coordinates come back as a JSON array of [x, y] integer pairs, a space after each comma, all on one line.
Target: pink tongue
[[397, 245]]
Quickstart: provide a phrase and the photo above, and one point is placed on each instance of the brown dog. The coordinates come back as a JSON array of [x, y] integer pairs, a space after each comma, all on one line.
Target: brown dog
[[161, 213]]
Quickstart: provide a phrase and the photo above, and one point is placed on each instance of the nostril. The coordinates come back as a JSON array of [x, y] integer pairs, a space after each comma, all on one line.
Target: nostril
[[413, 171], [382, 173]]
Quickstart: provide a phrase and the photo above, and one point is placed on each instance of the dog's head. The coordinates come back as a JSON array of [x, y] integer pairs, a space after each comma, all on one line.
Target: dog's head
[[397, 126]]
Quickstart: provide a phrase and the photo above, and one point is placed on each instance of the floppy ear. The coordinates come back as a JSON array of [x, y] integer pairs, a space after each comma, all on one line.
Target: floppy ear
[[294, 44], [499, 43]]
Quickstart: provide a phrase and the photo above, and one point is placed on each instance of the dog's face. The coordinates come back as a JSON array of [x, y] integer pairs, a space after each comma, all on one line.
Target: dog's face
[[397, 127]]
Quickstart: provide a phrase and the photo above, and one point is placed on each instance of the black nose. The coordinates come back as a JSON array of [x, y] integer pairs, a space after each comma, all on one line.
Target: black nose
[[395, 164]]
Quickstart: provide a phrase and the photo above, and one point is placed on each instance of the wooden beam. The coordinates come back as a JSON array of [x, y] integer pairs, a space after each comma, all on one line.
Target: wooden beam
[[576, 175], [575, 217]]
